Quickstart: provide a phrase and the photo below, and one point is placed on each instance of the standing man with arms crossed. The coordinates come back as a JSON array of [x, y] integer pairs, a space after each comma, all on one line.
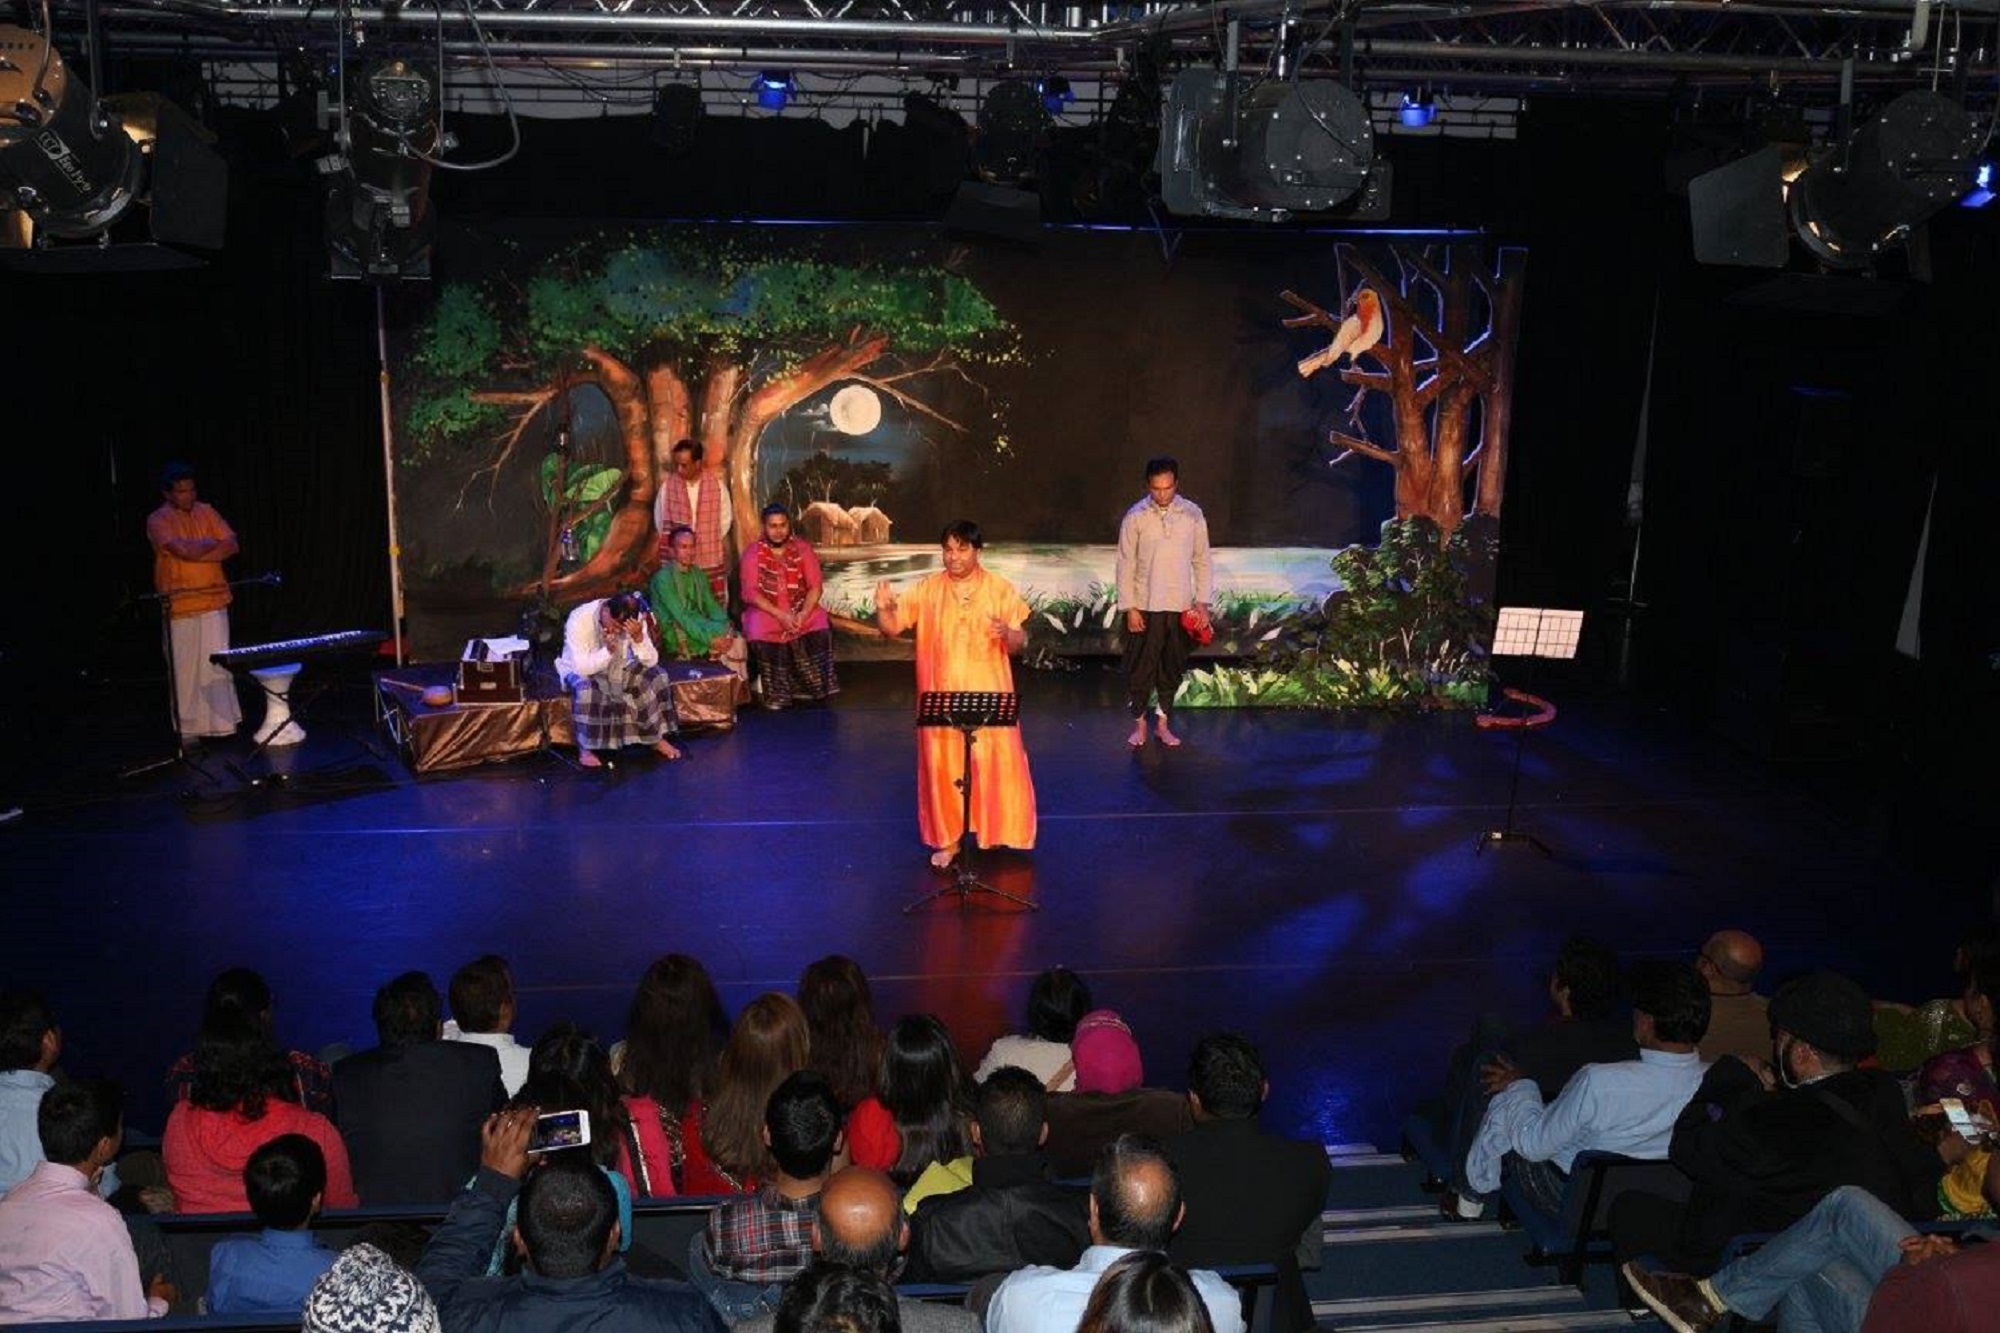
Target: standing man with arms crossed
[[968, 619], [190, 542], [1163, 571]]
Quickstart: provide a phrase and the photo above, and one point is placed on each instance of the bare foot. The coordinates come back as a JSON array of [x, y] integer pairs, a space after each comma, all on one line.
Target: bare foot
[[1166, 734], [942, 858], [666, 750], [588, 759], [1137, 740]]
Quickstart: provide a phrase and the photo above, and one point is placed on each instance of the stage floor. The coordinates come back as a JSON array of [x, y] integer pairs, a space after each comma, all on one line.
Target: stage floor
[[1308, 878]]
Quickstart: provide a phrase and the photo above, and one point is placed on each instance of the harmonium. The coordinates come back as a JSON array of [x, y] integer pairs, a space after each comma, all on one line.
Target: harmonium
[[492, 671]]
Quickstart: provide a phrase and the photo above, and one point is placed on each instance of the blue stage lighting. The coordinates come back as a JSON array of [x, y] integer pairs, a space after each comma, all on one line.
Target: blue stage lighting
[[1056, 93], [1982, 187], [774, 88], [1416, 112]]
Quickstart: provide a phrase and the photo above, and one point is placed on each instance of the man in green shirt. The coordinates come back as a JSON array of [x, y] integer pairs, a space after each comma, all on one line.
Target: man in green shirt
[[692, 623]]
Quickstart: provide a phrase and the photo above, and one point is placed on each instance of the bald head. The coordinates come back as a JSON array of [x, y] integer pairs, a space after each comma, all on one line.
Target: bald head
[[1734, 957], [860, 1220], [1135, 1196]]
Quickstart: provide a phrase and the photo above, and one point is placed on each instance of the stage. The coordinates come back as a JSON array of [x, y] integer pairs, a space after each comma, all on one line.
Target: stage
[[1310, 878]]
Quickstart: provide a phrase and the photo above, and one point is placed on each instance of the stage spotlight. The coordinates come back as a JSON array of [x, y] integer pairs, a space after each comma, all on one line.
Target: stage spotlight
[[1231, 146], [73, 165], [1913, 159], [1982, 187], [378, 218], [774, 88], [1011, 121], [1056, 94], [677, 117], [1417, 111]]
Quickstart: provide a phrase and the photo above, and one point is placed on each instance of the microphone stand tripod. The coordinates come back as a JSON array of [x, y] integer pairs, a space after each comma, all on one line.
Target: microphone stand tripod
[[180, 754]]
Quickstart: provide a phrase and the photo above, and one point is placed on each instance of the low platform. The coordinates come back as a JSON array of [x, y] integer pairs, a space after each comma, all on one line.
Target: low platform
[[441, 738]]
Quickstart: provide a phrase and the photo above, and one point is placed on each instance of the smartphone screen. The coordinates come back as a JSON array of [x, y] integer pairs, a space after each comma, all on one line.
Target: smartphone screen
[[560, 1129]]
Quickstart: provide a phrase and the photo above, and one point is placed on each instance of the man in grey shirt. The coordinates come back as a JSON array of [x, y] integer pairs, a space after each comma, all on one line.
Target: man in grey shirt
[[1163, 571]]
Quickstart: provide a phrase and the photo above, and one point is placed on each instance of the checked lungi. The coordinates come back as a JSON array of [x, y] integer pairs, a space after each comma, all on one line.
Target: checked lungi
[[625, 704], [796, 669]]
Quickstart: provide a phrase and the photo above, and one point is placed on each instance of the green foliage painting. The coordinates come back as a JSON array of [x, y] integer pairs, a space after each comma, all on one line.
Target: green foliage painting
[[685, 339]]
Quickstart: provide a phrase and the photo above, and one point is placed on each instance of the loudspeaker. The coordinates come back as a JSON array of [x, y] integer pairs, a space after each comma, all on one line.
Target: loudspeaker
[[190, 184], [1738, 212], [995, 212]]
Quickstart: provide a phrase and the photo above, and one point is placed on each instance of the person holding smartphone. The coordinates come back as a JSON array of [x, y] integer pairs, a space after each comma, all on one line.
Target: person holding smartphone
[[619, 695]]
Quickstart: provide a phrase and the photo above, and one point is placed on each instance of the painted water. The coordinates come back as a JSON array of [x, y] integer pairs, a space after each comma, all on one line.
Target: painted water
[[1065, 573]]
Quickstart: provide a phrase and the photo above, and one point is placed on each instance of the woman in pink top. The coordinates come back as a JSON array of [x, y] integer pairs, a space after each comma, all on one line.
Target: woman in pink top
[[241, 1100]]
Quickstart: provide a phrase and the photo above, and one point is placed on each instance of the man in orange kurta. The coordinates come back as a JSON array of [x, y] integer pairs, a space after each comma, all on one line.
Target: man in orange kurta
[[967, 619], [190, 542]]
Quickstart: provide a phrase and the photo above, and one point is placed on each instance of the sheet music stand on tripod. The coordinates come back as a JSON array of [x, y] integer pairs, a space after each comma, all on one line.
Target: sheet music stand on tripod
[[968, 711], [1531, 632]]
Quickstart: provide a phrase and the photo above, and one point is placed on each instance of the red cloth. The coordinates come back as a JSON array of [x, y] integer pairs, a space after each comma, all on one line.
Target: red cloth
[[698, 1174], [872, 1140], [1952, 1295], [205, 1153], [705, 519]]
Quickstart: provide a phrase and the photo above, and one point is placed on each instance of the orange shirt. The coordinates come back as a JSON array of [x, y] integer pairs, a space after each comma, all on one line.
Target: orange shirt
[[198, 586]]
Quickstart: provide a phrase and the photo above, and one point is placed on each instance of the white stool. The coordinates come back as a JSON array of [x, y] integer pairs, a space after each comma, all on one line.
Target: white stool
[[278, 727]]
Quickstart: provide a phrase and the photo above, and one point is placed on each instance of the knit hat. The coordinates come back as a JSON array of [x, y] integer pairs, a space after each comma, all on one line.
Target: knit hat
[[365, 1292], [1826, 1010], [1106, 1057]]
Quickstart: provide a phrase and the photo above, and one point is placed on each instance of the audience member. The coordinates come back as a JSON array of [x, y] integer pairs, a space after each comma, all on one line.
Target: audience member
[[1908, 1035], [921, 1113], [367, 1291], [272, 1272], [65, 1253], [1587, 1025], [840, 1015], [410, 1109], [833, 1298], [768, 1043], [1252, 1197], [1628, 1107], [1763, 1145], [752, 1246], [1851, 1265], [1145, 1293], [1966, 1076], [1110, 1098], [243, 1096], [1738, 1022], [861, 1227], [569, 1071], [30, 1045], [568, 1239], [670, 1065], [482, 1012], [1135, 1204], [1057, 1001], [240, 997], [1012, 1215]]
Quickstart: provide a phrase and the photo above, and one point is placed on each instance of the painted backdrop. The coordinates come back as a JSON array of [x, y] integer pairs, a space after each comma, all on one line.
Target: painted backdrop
[[1338, 407]]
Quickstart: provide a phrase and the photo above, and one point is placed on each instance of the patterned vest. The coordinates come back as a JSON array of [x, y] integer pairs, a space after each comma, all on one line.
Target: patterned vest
[[706, 518]]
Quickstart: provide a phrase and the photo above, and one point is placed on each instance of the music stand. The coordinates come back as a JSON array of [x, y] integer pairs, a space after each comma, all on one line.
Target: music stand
[[1531, 632], [968, 711]]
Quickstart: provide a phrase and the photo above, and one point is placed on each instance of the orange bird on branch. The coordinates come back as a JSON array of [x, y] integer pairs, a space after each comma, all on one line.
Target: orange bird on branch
[[1360, 329]]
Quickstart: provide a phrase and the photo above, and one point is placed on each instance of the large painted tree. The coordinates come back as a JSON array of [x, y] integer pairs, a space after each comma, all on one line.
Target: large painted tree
[[684, 340]]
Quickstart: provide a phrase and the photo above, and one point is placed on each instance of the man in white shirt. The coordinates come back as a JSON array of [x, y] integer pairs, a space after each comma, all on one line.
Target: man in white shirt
[[1626, 1107], [1135, 1204], [482, 1012], [619, 695], [1163, 572]]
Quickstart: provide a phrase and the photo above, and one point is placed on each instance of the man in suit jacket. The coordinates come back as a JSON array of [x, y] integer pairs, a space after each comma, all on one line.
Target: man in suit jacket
[[411, 1109], [1251, 1196]]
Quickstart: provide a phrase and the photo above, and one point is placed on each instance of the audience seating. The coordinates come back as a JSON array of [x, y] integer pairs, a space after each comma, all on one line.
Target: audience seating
[[1580, 1234]]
